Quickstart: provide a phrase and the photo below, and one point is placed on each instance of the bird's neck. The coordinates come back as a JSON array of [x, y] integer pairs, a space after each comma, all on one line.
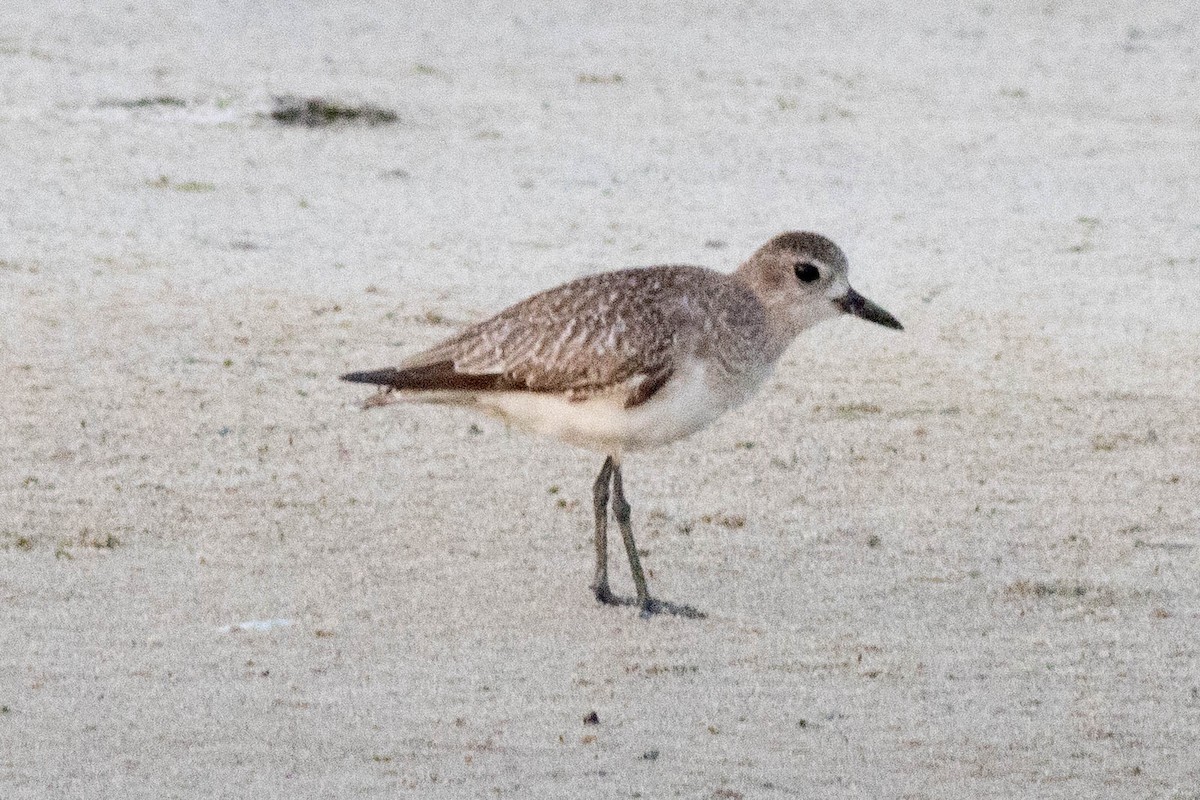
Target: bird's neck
[[777, 323]]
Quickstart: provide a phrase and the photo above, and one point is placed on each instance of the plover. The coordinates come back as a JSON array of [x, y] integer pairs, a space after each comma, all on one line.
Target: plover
[[624, 361]]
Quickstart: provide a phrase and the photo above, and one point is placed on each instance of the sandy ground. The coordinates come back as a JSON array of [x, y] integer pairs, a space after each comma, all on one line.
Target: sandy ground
[[957, 562]]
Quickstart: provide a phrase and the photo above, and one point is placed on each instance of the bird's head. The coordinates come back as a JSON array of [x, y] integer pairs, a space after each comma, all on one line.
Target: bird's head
[[801, 279]]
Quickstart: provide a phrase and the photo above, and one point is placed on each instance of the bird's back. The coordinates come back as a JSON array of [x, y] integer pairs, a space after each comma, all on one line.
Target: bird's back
[[607, 330]]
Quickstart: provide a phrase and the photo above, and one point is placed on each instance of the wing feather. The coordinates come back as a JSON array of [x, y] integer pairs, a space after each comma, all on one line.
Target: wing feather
[[618, 332]]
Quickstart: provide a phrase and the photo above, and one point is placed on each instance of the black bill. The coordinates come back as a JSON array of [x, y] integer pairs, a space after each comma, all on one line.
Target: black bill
[[854, 303]]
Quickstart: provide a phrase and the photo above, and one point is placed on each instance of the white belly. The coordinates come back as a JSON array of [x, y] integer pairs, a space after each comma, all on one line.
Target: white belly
[[691, 399]]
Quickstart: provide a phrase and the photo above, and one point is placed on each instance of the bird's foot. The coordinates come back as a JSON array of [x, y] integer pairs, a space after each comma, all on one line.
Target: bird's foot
[[650, 607], [605, 596]]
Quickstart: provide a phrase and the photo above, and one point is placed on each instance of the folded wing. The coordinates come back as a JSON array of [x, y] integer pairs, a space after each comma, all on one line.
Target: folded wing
[[604, 334]]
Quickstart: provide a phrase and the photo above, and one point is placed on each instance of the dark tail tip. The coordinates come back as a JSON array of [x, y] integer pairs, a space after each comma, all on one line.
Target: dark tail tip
[[379, 377]]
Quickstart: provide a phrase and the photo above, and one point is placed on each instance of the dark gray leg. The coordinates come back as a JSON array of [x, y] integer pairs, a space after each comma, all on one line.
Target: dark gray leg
[[623, 513], [600, 500]]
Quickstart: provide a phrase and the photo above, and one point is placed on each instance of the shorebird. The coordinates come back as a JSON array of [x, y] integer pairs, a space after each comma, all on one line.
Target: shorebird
[[624, 361]]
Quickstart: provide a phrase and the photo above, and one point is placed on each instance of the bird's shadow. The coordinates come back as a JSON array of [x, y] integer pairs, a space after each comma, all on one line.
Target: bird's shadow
[[654, 608]]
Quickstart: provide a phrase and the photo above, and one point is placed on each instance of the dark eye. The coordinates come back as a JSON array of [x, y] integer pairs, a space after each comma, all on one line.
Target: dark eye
[[807, 271]]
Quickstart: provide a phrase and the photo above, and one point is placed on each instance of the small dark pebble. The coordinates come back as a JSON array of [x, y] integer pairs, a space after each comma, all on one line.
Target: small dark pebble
[[592, 718]]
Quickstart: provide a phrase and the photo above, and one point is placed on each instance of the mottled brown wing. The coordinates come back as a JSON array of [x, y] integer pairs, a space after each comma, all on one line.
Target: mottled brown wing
[[604, 333]]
